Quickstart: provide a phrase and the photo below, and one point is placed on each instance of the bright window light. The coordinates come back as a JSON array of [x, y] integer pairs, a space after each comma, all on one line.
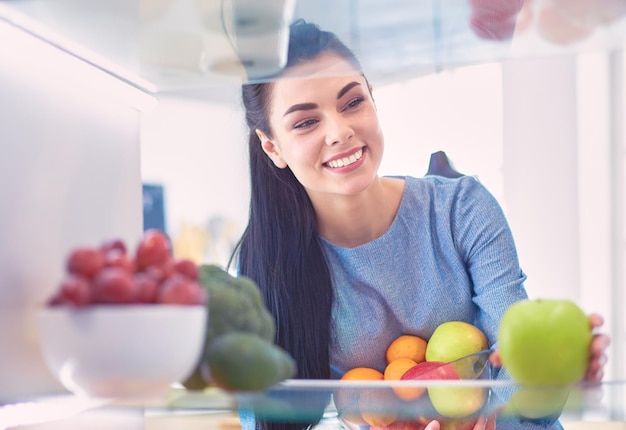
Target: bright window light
[[43, 411], [41, 63]]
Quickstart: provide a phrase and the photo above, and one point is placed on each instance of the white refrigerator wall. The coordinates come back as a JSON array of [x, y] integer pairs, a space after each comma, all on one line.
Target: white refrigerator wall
[[69, 175]]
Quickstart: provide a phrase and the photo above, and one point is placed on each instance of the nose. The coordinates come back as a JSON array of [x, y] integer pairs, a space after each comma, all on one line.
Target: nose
[[338, 130]]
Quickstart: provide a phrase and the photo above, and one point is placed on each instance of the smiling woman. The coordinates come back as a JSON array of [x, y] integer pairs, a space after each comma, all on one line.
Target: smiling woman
[[348, 260]]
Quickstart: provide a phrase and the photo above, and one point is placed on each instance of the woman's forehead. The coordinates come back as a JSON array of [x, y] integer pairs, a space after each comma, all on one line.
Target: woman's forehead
[[313, 89], [324, 65]]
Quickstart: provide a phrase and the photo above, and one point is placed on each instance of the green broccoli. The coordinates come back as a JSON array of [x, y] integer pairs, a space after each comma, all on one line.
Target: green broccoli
[[235, 305]]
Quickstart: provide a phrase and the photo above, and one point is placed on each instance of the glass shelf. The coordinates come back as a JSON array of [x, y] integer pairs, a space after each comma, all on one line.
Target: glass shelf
[[348, 404], [190, 46]]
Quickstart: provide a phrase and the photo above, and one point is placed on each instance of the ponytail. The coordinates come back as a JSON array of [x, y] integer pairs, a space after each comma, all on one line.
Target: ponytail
[[281, 249]]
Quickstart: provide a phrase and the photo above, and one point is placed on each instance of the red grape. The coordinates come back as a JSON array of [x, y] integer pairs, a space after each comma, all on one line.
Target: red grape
[[179, 290], [146, 287], [85, 261], [116, 258], [153, 249], [160, 272], [74, 290], [187, 268], [117, 244], [114, 285]]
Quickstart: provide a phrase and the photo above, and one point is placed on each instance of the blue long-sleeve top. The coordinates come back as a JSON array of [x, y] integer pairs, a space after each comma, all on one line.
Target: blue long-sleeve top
[[449, 255]]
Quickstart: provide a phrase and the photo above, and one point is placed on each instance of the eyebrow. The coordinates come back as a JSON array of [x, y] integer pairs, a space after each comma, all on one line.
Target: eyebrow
[[347, 88], [310, 106]]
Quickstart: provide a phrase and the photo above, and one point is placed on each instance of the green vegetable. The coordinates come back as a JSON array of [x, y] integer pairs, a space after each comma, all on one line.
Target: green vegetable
[[235, 305], [244, 362]]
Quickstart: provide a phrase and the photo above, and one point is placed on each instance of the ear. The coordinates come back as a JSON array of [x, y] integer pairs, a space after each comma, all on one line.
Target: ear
[[271, 149]]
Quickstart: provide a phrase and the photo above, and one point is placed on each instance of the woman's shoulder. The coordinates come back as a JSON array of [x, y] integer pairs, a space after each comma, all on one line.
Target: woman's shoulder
[[442, 185]]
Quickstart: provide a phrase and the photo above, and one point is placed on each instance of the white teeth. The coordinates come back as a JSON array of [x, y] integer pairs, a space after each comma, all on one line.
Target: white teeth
[[341, 162]]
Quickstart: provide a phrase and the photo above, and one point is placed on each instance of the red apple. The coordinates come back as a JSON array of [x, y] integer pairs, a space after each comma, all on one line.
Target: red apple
[[429, 370], [448, 401]]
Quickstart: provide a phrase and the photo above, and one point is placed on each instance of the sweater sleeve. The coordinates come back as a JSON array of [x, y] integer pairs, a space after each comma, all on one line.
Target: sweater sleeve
[[485, 243]]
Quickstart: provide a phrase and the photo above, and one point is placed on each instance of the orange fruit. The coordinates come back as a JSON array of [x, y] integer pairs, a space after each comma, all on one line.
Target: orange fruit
[[377, 408], [397, 368], [407, 346], [363, 374], [394, 371], [347, 400]]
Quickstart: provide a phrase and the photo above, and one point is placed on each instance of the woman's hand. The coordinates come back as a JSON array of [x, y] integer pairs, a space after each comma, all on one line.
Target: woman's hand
[[597, 351], [482, 423]]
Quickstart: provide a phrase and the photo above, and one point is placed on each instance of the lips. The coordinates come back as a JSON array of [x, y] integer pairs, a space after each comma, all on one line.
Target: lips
[[345, 161]]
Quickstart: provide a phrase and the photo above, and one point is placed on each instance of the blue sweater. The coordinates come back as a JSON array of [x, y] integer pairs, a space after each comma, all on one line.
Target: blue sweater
[[449, 255]]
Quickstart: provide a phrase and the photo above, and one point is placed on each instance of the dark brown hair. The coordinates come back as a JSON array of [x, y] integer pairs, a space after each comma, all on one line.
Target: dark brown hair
[[280, 248]]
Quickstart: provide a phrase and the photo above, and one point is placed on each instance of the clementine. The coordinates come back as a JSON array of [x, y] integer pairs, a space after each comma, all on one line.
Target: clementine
[[347, 400], [395, 370], [377, 408], [362, 374], [407, 346]]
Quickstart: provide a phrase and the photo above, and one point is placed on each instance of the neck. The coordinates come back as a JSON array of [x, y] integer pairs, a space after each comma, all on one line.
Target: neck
[[350, 221]]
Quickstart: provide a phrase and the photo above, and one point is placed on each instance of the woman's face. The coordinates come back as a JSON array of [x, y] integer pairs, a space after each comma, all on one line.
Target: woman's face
[[325, 127]]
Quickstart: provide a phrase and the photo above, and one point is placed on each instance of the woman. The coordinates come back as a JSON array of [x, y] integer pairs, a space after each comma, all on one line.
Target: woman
[[347, 260]]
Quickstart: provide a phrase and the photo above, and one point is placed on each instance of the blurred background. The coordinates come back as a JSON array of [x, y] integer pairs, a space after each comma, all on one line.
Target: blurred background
[[122, 115]]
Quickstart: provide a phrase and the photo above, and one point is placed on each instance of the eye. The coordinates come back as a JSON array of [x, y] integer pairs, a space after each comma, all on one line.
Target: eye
[[305, 124], [354, 103]]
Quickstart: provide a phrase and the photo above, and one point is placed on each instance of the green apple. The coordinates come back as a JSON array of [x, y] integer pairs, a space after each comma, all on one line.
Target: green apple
[[450, 401], [545, 342], [453, 340], [537, 401]]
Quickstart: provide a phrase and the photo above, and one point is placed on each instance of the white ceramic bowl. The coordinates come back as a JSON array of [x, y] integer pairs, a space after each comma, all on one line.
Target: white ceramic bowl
[[117, 351]]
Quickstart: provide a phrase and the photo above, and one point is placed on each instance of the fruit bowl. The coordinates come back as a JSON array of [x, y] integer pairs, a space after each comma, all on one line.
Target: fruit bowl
[[454, 393], [114, 351]]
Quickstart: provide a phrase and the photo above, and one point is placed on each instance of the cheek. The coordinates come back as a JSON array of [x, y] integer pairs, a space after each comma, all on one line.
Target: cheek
[[371, 129], [301, 150]]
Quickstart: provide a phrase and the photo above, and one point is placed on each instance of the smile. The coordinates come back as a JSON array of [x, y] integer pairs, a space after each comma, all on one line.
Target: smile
[[346, 161]]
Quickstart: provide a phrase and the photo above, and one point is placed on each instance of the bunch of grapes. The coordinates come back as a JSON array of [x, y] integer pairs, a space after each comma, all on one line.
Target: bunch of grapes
[[110, 275]]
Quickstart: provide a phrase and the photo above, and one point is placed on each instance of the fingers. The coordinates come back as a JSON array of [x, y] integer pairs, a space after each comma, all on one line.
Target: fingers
[[596, 320], [494, 359], [598, 358], [481, 423], [485, 423], [599, 344], [433, 425]]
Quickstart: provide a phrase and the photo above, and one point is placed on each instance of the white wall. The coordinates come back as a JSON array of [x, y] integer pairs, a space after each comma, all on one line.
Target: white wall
[[564, 182], [69, 175], [198, 151]]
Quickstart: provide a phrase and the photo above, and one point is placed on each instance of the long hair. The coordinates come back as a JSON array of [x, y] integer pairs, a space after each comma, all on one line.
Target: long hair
[[280, 248]]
